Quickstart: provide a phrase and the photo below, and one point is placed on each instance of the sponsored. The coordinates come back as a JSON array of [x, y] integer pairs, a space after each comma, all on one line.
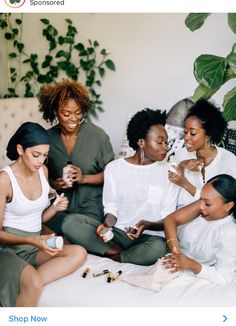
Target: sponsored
[[47, 2]]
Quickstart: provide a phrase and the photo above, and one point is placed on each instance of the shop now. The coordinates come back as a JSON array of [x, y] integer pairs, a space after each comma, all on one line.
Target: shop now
[[25, 319]]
